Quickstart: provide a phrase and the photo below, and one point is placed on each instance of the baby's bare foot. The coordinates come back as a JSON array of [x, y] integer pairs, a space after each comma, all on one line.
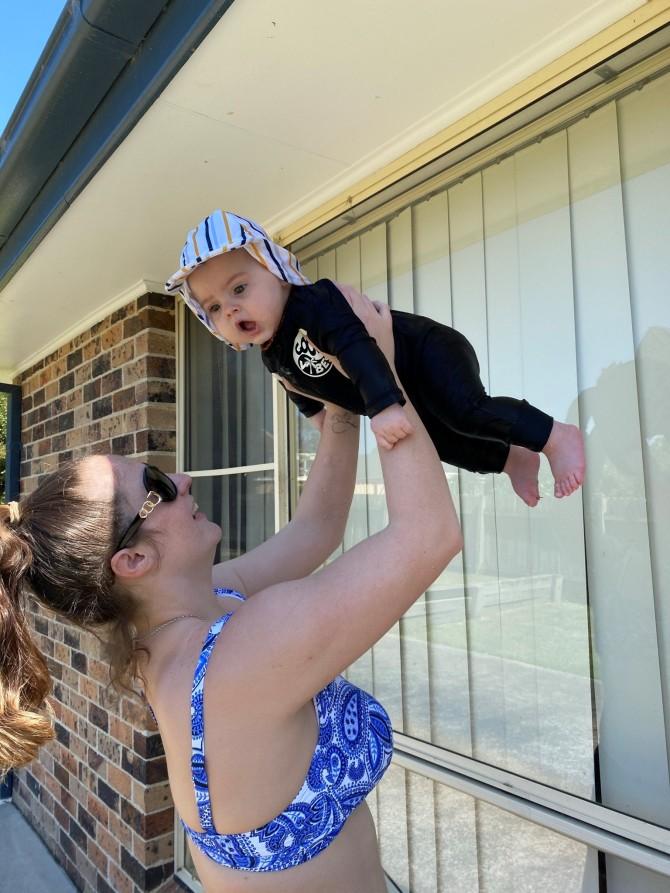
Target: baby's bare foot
[[522, 467], [565, 452]]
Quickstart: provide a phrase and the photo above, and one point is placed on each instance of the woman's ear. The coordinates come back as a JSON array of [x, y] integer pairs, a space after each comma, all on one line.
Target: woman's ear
[[133, 563]]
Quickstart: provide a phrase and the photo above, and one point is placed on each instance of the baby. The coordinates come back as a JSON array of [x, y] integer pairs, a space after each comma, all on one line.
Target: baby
[[247, 290]]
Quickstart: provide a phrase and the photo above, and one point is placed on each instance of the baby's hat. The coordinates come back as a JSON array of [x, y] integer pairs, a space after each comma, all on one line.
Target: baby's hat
[[223, 231]]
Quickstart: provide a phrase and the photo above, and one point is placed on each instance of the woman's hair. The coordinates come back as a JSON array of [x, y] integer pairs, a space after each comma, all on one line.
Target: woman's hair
[[57, 547]]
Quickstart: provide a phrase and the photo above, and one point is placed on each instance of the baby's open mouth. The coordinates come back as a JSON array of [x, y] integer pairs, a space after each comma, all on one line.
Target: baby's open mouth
[[247, 326]]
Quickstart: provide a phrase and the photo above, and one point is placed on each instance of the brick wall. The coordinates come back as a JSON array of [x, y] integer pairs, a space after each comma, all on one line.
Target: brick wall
[[98, 795], [109, 390]]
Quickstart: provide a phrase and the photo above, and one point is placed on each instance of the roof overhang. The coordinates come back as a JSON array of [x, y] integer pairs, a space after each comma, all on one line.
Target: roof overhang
[[282, 107]]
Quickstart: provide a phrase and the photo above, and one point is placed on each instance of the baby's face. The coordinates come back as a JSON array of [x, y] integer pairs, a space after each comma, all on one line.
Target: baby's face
[[243, 300]]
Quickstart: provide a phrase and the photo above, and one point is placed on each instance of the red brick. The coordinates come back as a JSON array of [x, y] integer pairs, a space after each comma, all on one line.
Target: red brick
[[92, 348], [82, 374], [160, 343], [119, 880], [68, 802], [97, 857], [68, 760], [158, 823], [78, 747], [89, 688], [52, 785], [109, 748], [151, 440], [98, 671], [62, 653], [154, 852], [121, 832], [87, 869], [112, 337], [98, 809], [126, 398], [108, 843], [61, 816], [137, 714], [121, 731], [122, 353], [119, 780], [156, 416]]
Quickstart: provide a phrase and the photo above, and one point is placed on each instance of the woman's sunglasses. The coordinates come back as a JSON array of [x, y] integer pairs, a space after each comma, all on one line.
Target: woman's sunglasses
[[160, 488]]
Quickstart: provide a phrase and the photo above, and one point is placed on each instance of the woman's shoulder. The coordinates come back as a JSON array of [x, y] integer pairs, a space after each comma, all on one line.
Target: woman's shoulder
[[171, 666]]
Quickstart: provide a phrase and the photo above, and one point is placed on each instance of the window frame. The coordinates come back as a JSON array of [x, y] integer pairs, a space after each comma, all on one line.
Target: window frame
[[13, 460]]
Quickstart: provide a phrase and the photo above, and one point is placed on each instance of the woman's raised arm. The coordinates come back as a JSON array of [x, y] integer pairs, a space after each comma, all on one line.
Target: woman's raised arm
[[317, 526], [292, 639]]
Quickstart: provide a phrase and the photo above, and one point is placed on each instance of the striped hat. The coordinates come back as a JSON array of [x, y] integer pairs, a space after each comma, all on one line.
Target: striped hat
[[224, 231]]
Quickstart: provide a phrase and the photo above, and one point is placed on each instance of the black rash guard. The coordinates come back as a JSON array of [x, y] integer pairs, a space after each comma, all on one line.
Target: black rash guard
[[436, 365]]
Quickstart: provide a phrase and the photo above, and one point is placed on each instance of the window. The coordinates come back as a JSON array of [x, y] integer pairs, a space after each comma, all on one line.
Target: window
[[229, 439], [544, 651], [539, 661]]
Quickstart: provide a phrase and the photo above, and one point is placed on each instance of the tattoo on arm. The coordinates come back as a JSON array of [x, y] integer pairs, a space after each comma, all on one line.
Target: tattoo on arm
[[342, 421]]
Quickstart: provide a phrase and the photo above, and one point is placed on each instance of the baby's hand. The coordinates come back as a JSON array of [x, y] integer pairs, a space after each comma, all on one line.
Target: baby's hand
[[391, 425]]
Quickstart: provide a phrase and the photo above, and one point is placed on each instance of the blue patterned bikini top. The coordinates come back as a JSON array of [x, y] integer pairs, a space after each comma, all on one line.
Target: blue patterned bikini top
[[352, 753]]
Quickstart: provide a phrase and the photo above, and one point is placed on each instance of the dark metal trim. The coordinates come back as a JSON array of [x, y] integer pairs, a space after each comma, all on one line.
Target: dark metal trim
[[126, 78], [13, 467], [6, 785]]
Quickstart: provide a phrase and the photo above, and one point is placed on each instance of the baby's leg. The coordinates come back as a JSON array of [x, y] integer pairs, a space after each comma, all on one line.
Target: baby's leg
[[471, 453], [523, 467], [454, 393], [489, 456], [565, 451]]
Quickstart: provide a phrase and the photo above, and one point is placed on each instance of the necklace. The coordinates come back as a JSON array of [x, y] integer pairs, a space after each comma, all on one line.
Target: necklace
[[152, 632]]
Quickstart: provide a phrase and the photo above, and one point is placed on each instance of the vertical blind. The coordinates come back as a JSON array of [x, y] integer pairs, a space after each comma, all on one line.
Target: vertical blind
[[228, 424], [544, 649]]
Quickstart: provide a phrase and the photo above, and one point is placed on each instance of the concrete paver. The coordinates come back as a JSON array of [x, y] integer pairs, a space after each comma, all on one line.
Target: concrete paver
[[26, 865]]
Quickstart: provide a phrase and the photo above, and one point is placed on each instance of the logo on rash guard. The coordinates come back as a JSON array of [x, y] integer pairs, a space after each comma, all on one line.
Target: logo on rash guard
[[307, 358]]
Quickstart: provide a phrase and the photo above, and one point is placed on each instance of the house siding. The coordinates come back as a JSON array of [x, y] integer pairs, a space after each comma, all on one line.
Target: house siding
[[98, 794]]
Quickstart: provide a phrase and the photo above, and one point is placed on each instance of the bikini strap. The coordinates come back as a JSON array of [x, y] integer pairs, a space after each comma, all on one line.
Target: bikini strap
[[198, 769], [222, 591]]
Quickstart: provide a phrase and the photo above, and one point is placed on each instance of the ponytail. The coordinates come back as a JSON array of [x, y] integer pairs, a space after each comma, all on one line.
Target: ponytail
[[25, 724], [56, 547]]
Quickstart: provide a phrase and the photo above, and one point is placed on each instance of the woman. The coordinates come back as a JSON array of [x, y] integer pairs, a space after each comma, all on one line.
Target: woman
[[110, 541]]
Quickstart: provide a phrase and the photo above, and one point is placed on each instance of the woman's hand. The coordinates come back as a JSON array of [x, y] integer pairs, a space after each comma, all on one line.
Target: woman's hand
[[375, 316], [391, 424]]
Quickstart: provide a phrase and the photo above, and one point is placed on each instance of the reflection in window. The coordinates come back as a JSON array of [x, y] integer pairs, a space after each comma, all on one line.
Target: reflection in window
[[228, 418], [433, 838], [543, 649], [243, 504]]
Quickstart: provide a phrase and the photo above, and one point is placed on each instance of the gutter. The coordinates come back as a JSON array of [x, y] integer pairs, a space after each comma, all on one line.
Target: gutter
[[102, 68]]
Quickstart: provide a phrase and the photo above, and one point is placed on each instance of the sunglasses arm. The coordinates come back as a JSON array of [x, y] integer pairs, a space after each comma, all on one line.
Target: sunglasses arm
[[149, 504]]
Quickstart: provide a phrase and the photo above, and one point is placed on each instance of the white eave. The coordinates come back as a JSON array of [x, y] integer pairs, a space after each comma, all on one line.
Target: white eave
[[283, 106]]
